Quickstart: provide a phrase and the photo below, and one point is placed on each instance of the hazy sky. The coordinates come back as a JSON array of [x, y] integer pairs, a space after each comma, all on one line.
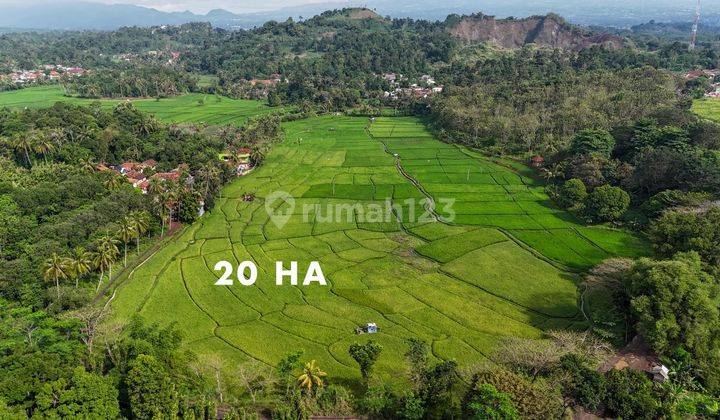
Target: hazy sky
[[198, 6], [202, 6]]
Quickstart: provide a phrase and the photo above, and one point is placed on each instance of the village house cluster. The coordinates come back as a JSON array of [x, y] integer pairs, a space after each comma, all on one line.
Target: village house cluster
[[426, 86], [272, 81], [139, 174], [170, 57], [710, 74], [48, 72]]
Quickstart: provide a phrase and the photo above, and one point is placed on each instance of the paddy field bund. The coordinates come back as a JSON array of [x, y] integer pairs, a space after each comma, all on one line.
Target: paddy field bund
[[507, 266]]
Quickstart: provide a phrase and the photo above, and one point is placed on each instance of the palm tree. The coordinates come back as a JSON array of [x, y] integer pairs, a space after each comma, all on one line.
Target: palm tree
[[106, 255], [311, 378], [209, 175], [156, 187], [141, 223], [55, 268], [126, 233], [42, 144], [162, 212], [87, 164], [113, 182], [257, 157], [170, 200], [23, 144], [147, 125], [80, 263]]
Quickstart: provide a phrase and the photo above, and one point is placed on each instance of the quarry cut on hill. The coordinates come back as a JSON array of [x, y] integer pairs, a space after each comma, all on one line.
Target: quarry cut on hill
[[545, 31]]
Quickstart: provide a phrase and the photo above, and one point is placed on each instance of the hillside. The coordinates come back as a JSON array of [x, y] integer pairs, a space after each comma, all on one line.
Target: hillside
[[546, 31]]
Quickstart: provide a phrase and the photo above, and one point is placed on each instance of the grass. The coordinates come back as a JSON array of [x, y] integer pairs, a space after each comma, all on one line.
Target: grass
[[189, 108], [495, 271], [707, 108]]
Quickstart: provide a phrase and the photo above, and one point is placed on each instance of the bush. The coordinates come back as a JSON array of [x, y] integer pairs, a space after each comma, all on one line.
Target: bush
[[606, 203], [586, 386], [530, 400], [630, 395], [662, 201], [484, 401], [572, 193]]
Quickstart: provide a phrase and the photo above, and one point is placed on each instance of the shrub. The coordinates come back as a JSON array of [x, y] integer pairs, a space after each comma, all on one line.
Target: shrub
[[662, 201], [586, 386], [530, 400], [630, 395]]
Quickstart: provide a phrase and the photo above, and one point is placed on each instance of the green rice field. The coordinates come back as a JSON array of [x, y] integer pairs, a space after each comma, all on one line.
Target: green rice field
[[707, 108], [493, 258], [180, 109]]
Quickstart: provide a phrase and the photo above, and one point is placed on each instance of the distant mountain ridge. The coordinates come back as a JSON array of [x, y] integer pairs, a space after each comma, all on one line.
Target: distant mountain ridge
[[83, 14], [88, 15], [545, 31]]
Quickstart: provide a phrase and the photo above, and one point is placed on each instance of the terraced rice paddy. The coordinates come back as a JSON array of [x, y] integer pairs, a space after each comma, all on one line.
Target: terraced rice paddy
[[501, 266], [180, 109]]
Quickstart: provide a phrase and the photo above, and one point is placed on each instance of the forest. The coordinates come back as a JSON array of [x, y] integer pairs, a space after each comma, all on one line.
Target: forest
[[133, 82]]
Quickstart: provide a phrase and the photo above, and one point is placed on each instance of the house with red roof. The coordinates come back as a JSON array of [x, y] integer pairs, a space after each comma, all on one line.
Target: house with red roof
[[537, 161], [128, 166]]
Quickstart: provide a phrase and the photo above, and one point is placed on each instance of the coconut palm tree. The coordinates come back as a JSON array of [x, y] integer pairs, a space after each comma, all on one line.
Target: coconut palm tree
[[55, 268], [209, 175], [170, 200], [105, 256], [87, 164], [156, 187], [42, 144], [141, 224], [113, 182], [126, 233], [163, 214], [257, 157], [80, 263], [311, 378], [147, 125], [23, 144]]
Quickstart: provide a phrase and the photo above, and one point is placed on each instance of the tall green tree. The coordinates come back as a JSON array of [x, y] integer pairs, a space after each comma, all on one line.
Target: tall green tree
[[56, 268], [126, 232], [151, 390], [593, 142], [84, 395], [23, 143], [607, 203], [105, 256], [140, 222], [80, 263], [673, 303], [209, 176], [113, 182], [365, 355], [42, 143], [485, 402]]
